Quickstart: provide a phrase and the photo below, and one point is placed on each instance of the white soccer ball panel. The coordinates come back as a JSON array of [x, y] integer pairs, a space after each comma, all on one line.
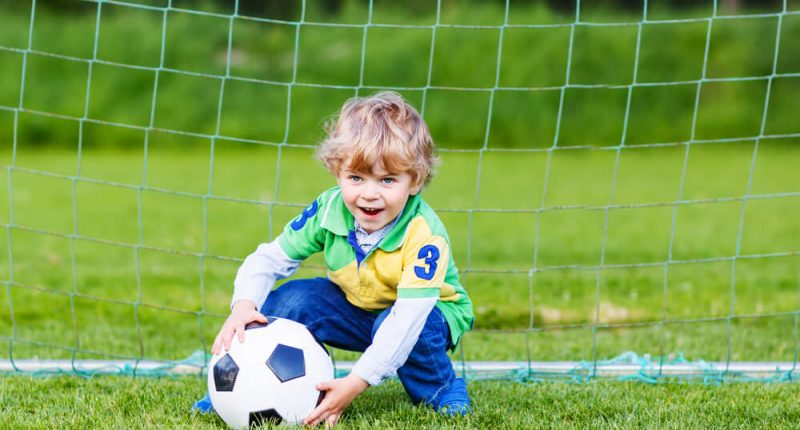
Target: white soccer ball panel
[[249, 395], [282, 346]]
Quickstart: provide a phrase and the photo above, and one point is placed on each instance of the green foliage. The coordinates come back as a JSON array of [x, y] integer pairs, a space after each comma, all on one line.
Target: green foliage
[[529, 65]]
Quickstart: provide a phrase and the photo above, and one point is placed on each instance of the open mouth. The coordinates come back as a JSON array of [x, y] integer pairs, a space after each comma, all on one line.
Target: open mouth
[[371, 211]]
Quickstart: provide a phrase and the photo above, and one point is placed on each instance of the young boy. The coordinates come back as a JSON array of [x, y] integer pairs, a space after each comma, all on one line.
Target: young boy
[[392, 289]]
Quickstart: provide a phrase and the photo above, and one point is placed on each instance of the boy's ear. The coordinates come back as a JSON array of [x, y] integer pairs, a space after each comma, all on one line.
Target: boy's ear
[[416, 189]]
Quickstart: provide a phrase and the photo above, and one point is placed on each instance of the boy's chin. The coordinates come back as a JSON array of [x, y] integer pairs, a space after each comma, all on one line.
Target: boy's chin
[[372, 225]]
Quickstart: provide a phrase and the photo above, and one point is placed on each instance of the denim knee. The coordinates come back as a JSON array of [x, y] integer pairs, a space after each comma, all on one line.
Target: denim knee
[[292, 299]]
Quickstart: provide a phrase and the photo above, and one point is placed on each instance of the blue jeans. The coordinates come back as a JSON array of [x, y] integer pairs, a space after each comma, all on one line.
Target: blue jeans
[[320, 305], [427, 374]]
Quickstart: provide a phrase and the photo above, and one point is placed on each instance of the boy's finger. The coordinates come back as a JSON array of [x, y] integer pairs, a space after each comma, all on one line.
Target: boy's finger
[[309, 421], [240, 333], [323, 386], [226, 340], [331, 421], [316, 416]]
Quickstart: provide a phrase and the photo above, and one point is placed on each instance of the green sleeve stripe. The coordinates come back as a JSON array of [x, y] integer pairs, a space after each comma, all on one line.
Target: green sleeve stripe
[[289, 248], [417, 293]]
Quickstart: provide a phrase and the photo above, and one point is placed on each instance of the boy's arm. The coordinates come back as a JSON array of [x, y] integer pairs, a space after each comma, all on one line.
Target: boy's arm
[[302, 237], [278, 259], [390, 348], [425, 263], [394, 339], [259, 272], [424, 268], [254, 281]]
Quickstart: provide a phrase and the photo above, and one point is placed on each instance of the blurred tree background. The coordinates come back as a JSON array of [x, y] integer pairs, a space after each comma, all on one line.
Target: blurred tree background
[[302, 59]]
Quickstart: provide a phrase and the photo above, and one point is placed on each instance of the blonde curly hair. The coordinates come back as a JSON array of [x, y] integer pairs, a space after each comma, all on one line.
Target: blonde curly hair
[[382, 128]]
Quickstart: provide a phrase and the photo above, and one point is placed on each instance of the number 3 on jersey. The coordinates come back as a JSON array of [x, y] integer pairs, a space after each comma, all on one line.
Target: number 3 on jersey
[[307, 213], [430, 254]]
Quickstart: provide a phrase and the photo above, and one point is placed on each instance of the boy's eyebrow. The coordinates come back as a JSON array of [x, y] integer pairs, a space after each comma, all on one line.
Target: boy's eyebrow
[[384, 174]]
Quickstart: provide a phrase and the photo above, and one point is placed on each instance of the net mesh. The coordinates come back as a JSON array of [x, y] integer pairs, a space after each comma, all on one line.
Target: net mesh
[[604, 192]]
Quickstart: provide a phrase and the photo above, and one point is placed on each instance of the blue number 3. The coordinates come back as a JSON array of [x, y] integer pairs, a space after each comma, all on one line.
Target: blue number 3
[[308, 212], [431, 254]]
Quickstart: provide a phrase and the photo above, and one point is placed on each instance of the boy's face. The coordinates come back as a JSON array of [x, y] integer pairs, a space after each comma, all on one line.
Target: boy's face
[[377, 197]]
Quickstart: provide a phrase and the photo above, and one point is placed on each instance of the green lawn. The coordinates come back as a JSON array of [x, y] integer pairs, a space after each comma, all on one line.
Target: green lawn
[[122, 402], [136, 259]]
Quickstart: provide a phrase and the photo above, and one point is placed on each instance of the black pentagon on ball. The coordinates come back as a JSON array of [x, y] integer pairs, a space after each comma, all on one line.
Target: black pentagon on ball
[[287, 363], [256, 324], [262, 417], [225, 372]]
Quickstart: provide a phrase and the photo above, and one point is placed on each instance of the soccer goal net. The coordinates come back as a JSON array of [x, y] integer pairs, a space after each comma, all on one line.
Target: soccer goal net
[[619, 181]]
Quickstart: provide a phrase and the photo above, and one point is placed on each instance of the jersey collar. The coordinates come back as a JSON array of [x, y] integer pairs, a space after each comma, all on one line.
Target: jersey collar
[[339, 221]]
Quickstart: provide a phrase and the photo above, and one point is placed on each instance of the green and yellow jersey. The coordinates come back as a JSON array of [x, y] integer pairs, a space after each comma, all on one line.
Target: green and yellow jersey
[[413, 260]]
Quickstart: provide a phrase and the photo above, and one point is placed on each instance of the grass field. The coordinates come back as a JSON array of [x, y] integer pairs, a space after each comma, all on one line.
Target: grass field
[[100, 265], [114, 402]]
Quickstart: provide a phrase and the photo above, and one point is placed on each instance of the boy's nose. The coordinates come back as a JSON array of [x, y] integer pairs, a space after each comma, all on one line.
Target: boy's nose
[[370, 195], [371, 192]]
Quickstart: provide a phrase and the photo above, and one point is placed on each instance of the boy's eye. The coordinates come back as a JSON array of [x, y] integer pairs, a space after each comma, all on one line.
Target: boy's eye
[[388, 180], [355, 178]]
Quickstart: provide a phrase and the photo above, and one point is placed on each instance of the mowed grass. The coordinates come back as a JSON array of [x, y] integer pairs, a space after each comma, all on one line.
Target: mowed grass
[[133, 255], [122, 402]]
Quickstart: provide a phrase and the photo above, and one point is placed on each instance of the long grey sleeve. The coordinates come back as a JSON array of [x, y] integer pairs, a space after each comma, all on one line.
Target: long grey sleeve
[[259, 272]]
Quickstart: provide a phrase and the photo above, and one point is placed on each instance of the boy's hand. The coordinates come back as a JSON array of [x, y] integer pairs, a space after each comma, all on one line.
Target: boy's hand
[[339, 394], [243, 312]]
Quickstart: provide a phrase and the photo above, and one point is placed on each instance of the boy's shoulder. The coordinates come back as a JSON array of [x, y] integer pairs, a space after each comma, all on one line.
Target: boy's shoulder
[[431, 218], [305, 233], [328, 197], [331, 212]]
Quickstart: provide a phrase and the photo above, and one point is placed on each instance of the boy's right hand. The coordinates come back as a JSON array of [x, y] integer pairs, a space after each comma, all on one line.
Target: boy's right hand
[[242, 313]]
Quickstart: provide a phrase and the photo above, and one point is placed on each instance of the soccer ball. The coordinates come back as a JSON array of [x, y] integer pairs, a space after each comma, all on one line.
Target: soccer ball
[[271, 376]]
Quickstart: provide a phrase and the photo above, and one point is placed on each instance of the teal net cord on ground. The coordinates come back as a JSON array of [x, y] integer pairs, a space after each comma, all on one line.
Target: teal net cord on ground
[[619, 181]]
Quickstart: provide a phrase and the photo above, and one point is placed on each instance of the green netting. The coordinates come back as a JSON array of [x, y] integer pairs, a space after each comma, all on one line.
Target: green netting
[[614, 178]]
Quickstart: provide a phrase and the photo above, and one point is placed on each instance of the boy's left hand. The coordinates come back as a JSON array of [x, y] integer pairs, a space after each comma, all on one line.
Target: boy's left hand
[[339, 394]]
